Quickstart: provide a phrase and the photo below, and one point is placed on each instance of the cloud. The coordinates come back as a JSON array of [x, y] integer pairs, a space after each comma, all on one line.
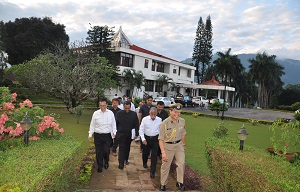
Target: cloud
[[168, 27]]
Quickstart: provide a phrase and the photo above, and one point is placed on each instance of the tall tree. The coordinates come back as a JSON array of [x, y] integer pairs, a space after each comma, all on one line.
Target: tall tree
[[99, 39], [163, 80], [232, 73], [66, 73], [134, 79], [25, 38], [266, 72], [202, 53], [99, 43]]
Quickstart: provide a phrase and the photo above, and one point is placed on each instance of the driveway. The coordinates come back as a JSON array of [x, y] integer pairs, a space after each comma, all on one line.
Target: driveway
[[258, 114]]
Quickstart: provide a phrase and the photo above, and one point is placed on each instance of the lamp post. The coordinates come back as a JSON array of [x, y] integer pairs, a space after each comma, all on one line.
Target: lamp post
[[26, 125], [242, 135]]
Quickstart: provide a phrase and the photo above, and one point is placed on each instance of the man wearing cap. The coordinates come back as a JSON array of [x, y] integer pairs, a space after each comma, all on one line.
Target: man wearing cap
[[172, 144]]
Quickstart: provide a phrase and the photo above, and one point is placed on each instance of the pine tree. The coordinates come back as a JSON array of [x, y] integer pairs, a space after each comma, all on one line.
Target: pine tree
[[99, 38], [202, 47]]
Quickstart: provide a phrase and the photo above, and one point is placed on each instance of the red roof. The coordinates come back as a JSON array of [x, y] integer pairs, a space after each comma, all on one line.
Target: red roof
[[213, 81], [140, 49]]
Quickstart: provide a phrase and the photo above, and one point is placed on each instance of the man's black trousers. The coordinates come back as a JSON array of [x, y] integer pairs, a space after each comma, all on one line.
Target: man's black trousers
[[102, 144]]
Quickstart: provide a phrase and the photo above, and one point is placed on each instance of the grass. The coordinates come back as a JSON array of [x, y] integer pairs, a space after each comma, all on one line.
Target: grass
[[40, 163], [69, 123], [198, 129]]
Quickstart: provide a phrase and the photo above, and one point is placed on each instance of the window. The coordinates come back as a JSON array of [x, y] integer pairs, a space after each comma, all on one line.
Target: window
[[179, 71], [153, 66], [174, 71], [149, 85], [158, 87], [126, 60], [160, 67], [189, 73], [146, 63]]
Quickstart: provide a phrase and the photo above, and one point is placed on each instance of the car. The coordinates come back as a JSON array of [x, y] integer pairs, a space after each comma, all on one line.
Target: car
[[200, 100], [167, 101], [185, 100]]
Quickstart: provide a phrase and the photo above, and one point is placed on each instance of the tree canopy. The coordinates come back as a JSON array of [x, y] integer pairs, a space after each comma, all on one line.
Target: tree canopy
[[67, 73], [266, 72], [134, 79], [25, 38]]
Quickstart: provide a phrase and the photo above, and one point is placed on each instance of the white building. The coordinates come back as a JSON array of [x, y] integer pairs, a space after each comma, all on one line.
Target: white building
[[151, 64]]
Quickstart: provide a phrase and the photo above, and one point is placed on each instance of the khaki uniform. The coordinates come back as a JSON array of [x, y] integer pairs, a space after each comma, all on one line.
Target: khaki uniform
[[171, 133]]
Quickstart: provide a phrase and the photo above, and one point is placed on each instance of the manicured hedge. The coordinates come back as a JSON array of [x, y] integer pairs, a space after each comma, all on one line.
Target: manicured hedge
[[249, 170], [44, 165]]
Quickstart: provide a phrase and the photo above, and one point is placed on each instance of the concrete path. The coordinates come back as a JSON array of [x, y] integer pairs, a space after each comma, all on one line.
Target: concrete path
[[258, 114], [132, 178]]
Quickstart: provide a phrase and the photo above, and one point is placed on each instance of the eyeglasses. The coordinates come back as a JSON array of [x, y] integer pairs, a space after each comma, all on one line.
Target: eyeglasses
[[102, 105]]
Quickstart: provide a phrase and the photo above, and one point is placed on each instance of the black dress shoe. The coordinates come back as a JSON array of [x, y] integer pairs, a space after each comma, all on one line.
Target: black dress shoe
[[145, 166], [126, 162], [152, 175], [106, 166], [180, 186], [99, 170], [162, 188], [121, 167]]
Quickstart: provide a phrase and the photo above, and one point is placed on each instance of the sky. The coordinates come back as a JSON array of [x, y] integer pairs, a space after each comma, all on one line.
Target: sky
[[168, 27]]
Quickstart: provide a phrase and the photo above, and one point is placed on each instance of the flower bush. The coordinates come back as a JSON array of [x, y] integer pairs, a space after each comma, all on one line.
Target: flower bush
[[10, 116]]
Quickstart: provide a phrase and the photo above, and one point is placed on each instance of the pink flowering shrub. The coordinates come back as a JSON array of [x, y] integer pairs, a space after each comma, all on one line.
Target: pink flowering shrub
[[10, 117]]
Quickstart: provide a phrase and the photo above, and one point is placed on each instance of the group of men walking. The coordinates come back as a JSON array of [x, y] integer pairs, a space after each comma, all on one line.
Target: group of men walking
[[160, 135]]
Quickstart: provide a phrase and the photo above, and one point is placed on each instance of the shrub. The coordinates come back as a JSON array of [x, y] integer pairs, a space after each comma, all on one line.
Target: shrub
[[249, 170], [43, 126], [217, 106], [285, 135], [87, 165], [297, 115], [136, 101], [285, 107], [221, 130], [295, 106]]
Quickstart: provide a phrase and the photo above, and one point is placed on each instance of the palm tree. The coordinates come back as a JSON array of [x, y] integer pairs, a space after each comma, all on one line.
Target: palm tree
[[266, 72], [133, 79], [163, 80], [223, 67]]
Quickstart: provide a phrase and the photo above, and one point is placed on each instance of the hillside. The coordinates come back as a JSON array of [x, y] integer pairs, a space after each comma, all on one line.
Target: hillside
[[291, 67]]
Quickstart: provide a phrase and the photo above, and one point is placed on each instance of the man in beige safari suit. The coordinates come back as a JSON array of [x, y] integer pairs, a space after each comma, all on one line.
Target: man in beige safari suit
[[172, 144]]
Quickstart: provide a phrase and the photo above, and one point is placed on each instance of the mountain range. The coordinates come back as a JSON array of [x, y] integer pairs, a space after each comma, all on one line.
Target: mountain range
[[291, 67]]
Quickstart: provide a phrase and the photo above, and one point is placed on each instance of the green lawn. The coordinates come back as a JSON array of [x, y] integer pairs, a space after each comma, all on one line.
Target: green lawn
[[198, 129]]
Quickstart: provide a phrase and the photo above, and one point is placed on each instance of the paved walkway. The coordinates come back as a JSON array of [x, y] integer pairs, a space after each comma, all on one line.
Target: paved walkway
[[258, 114], [132, 178]]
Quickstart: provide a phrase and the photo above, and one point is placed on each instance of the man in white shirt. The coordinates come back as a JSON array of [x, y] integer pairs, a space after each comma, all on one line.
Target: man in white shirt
[[103, 126], [149, 130]]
